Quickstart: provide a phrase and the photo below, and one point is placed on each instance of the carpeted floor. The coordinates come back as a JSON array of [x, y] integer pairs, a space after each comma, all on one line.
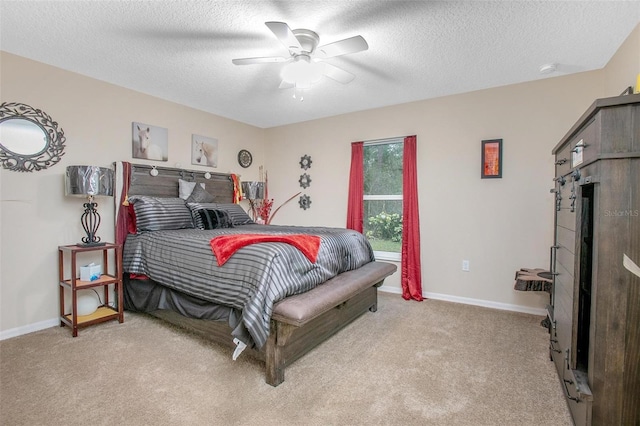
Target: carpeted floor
[[428, 363]]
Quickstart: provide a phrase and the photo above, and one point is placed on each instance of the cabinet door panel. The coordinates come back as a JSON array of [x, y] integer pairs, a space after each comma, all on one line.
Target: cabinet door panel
[[567, 218], [565, 259], [563, 318], [566, 239], [564, 284]]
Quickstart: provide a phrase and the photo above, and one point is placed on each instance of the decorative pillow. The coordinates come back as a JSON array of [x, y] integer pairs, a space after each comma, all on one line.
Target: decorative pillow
[[156, 213], [185, 188], [236, 213], [195, 208], [200, 195], [215, 219]]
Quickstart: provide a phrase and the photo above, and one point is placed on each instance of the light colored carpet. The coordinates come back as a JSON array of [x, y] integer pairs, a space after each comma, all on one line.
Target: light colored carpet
[[428, 363]]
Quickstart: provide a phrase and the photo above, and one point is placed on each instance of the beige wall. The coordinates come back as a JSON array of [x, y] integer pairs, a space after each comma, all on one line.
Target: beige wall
[[96, 118], [624, 67], [499, 225]]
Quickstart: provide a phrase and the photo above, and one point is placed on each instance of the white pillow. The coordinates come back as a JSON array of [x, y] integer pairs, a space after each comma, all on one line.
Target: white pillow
[[185, 188]]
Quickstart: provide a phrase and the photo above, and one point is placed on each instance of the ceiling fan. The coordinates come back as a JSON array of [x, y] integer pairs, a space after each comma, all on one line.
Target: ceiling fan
[[306, 62]]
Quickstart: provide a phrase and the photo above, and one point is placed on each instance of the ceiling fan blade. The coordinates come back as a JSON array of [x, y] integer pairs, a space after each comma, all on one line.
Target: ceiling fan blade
[[343, 47], [248, 61], [337, 74], [285, 35]]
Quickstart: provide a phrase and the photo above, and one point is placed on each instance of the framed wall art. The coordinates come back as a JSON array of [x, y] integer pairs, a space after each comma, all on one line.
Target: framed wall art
[[204, 151], [150, 142], [491, 159]]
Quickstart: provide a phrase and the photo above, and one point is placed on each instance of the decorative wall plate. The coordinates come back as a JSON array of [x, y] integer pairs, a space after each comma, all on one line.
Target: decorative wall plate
[[305, 180], [305, 162], [244, 158]]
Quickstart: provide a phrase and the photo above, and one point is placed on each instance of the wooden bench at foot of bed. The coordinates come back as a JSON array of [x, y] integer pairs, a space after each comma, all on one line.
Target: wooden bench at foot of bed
[[300, 323]]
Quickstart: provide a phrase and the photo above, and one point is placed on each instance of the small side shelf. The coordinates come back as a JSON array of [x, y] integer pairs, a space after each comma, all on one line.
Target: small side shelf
[[104, 313], [73, 284], [105, 279]]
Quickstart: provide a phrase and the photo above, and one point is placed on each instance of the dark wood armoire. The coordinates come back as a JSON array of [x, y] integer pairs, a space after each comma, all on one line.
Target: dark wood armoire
[[595, 303]]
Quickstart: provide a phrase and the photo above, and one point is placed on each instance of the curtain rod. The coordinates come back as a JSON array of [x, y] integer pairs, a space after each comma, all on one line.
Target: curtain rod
[[385, 140]]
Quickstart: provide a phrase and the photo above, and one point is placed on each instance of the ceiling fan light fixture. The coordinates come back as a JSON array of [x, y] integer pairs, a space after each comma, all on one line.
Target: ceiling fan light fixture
[[302, 72], [305, 64]]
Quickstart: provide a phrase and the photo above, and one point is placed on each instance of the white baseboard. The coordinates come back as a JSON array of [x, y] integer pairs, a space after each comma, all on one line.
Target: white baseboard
[[470, 301], [19, 331]]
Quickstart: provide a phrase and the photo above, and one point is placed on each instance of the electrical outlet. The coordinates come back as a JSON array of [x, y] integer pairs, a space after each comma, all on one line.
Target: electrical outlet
[[465, 265]]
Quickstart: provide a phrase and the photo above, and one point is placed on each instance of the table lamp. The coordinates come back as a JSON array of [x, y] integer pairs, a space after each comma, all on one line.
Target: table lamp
[[90, 182]]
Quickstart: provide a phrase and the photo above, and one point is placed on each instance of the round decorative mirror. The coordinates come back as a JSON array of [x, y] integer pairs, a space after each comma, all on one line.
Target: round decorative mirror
[[29, 139]]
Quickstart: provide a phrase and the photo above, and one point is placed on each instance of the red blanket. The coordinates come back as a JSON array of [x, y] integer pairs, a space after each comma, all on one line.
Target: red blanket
[[225, 246]]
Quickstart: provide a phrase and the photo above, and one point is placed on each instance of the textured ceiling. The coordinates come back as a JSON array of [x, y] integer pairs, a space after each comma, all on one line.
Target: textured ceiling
[[182, 51]]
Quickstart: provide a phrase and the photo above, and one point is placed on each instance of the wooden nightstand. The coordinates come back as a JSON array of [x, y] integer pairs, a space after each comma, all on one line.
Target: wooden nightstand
[[104, 312]]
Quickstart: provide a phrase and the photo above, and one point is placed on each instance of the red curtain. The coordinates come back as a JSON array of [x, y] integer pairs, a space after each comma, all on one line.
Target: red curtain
[[355, 204], [411, 278]]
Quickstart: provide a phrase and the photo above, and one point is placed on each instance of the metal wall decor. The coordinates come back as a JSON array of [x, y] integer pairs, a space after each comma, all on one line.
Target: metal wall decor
[[305, 162], [305, 181], [305, 202], [29, 139]]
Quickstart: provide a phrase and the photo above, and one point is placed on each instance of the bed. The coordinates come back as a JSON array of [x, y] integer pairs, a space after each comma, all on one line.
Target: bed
[[274, 300]]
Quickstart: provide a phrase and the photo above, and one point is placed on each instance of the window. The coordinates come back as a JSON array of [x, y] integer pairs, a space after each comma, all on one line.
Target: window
[[383, 197]]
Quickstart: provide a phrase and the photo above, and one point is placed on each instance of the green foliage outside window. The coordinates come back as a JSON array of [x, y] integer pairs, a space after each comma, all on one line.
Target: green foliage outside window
[[383, 169], [385, 226], [383, 178]]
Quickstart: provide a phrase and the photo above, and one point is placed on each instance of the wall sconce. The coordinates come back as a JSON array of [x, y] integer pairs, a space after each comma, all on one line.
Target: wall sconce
[[89, 181]]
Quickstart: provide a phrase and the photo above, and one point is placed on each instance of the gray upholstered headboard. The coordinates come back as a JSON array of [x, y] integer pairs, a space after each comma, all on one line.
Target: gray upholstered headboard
[[165, 184]]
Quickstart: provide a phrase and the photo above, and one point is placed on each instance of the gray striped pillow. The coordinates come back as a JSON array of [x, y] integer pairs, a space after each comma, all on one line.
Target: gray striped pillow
[[157, 214], [236, 213]]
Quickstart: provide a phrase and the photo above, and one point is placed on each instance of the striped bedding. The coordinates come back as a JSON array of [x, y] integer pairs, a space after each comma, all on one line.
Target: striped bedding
[[254, 278]]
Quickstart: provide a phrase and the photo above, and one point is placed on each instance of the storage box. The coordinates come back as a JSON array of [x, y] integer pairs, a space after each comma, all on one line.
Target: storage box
[[90, 272]]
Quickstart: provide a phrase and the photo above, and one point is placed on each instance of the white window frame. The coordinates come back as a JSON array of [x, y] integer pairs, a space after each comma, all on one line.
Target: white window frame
[[385, 255]]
